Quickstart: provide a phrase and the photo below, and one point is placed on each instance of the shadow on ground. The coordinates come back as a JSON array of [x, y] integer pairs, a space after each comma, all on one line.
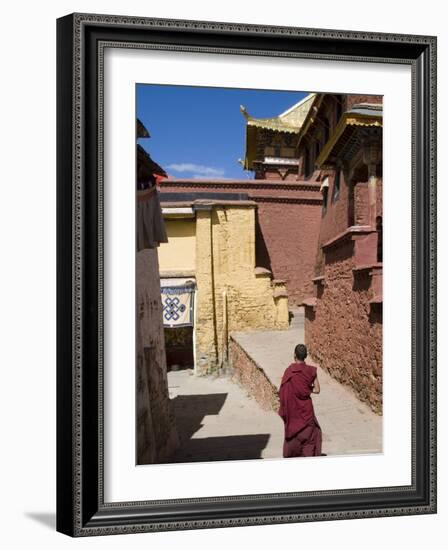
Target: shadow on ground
[[190, 411]]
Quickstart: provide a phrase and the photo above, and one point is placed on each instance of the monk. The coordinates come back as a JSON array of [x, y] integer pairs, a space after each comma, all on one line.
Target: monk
[[303, 436]]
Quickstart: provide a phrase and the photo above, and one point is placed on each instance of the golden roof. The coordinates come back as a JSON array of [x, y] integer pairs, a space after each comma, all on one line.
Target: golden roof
[[290, 121]]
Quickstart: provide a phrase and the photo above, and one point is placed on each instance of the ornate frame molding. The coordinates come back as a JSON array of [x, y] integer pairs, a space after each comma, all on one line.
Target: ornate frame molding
[[81, 42]]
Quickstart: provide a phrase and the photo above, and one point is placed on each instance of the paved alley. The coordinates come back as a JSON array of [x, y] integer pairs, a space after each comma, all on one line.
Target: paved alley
[[218, 420], [348, 425]]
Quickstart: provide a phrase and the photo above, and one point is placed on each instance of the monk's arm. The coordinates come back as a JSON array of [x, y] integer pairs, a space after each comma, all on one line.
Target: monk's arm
[[316, 386]]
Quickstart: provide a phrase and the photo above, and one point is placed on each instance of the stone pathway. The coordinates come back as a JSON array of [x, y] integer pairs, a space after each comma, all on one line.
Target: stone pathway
[[218, 420]]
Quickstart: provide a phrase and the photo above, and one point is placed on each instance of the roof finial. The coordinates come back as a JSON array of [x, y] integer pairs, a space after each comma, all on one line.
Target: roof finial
[[243, 110]]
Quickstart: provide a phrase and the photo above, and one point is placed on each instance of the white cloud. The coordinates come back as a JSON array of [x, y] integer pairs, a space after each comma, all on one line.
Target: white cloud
[[199, 170]]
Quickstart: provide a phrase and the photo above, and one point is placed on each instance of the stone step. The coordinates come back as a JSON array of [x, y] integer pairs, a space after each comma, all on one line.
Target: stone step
[[297, 317]]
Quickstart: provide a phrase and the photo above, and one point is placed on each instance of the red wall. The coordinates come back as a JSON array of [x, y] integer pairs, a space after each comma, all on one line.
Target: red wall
[[343, 315], [288, 222], [290, 232], [335, 219], [344, 332]]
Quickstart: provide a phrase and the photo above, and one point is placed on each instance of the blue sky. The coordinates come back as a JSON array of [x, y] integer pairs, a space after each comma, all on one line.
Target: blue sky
[[200, 132]]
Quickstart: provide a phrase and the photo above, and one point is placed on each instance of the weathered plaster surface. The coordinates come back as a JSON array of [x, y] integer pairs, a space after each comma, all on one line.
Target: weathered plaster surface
[[156, 432]]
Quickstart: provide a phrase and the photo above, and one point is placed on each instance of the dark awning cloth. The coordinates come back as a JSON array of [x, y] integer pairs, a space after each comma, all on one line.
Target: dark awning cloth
[[150, 225], [142, 132], [146, 167]]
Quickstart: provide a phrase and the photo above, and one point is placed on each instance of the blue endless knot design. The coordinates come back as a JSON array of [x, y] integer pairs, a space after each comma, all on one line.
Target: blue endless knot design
[[172, 308]]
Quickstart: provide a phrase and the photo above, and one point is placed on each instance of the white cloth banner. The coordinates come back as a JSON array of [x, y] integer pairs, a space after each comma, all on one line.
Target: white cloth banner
[[178, 306]]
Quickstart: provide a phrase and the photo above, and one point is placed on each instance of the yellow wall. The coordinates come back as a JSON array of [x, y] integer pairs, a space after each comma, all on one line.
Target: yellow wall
[[225, 272], [179, 253], [219, 248]]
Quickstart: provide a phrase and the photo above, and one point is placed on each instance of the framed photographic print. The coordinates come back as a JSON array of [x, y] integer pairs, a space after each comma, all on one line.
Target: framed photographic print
[[246, 274]]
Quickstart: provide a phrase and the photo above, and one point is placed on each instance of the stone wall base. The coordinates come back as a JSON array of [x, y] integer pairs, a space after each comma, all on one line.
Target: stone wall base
[[252, 378]]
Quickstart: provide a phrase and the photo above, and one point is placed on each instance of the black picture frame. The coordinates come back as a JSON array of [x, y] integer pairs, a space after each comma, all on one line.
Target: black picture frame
[[81, 510]]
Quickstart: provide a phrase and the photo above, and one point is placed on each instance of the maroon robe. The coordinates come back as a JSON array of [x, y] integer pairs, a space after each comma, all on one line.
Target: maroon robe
[[303, 436]]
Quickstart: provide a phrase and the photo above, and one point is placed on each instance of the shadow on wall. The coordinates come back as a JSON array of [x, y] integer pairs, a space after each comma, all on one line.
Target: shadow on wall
[[189, 411], [262, 258], [361, 282], [376, 313], [48, 519]]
